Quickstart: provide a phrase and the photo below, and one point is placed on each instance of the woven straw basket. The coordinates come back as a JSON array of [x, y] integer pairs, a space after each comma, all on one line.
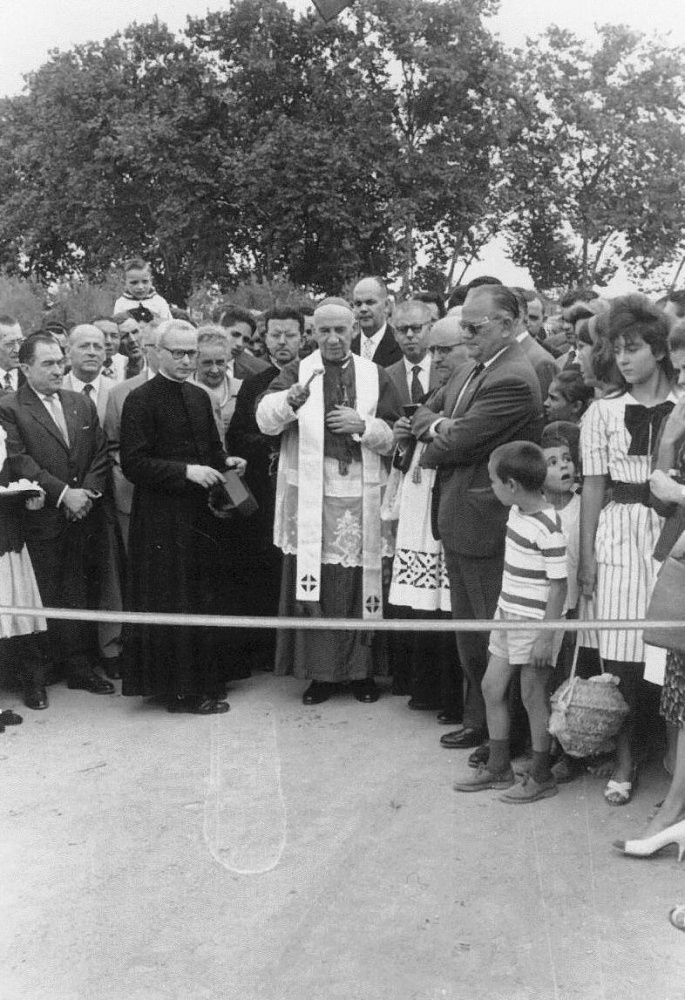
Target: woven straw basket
[[586, 715]]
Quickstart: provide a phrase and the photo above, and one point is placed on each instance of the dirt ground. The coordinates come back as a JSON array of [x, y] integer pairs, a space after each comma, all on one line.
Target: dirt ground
[[289, 853]]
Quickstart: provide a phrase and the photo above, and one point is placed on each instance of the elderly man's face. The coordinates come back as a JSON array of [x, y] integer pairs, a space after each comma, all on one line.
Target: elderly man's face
[[86, 351], [447, 347], [46, 372], [486, 328], [212, 362], [333, 330], [10, 342], [178, 354]]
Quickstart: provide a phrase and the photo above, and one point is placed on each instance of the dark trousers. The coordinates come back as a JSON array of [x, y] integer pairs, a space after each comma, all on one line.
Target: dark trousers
[[474, 588], [67, 570]]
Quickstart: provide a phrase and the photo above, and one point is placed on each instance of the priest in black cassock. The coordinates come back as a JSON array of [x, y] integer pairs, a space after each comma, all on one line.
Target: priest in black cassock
[[172, 453]]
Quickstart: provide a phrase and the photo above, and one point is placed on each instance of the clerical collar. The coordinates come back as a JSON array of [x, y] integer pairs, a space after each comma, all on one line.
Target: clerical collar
[[170, 378]]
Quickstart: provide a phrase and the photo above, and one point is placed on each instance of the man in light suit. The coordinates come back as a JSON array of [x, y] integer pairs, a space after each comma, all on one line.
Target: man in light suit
[[483, 405], [86, 356], [123, 490], [376, 340], [54, 438]]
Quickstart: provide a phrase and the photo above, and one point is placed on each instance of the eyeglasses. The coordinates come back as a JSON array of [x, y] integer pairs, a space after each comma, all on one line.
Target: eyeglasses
[[473, 328], [415, 329], [179, 355]]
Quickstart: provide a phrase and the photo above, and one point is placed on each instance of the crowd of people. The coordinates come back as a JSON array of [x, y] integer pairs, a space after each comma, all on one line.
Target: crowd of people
[[409, 459]]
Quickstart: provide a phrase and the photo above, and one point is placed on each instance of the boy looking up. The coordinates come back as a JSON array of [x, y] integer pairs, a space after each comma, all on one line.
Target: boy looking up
[[533, 589]]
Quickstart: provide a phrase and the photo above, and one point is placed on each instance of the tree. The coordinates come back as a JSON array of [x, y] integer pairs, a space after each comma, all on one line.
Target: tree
[[597, 175]]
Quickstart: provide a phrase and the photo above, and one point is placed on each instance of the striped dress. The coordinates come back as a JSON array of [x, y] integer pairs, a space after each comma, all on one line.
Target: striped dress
[[626, 533]]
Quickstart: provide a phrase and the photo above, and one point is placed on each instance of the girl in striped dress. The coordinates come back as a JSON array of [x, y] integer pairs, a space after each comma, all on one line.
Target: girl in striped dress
[[617, 539]]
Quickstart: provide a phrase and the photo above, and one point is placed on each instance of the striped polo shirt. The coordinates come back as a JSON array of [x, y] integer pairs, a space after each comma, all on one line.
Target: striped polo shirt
[[534, 554]]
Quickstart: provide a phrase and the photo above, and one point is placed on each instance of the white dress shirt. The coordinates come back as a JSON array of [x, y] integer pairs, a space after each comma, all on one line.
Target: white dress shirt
[[424, 375], [369, 345], [13, 378]]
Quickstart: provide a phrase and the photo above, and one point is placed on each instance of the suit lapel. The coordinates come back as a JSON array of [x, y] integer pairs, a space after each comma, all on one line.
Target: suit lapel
[[41, 415], [71, 416]]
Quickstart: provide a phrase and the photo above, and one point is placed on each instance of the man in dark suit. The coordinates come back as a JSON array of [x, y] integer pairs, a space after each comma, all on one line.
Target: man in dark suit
[[11, 338], [54, 437], [376, 340], [414, 375], [494, 400], [240, 326], [262, 561]]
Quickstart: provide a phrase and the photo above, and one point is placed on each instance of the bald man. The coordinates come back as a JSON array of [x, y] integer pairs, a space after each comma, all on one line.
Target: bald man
[[86, 356], [333, 411], [425, 664]]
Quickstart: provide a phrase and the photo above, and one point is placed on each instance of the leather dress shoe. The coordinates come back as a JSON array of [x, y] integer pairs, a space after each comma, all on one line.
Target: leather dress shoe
[[35, 697], [463, 739], [90, 682], [317, 692], [365, 691]]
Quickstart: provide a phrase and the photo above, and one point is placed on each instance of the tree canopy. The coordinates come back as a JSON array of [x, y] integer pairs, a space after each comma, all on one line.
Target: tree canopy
[[397, 139]]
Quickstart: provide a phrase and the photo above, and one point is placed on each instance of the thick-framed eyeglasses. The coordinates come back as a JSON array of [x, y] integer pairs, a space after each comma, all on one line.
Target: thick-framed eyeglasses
[[415, 328], [474, 328], [179, 355]]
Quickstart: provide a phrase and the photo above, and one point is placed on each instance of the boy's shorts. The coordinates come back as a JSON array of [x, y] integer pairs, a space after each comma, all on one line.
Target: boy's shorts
[[516, 646]]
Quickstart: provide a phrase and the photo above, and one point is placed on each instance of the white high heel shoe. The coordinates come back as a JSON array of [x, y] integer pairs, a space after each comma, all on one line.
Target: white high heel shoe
[[650, 845]]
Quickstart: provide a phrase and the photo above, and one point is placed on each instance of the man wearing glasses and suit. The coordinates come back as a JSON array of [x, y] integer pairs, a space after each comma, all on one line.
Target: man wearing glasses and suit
[[494, 400]]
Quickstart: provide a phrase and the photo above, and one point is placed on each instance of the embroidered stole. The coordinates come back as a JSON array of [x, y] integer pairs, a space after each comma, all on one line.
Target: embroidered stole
[[310, 487]]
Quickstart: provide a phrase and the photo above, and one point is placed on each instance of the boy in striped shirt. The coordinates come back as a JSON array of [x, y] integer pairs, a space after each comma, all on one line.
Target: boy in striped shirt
[[533, 589]]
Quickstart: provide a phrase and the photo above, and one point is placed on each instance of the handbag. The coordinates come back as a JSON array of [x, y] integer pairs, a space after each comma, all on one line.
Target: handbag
[[667, 604]]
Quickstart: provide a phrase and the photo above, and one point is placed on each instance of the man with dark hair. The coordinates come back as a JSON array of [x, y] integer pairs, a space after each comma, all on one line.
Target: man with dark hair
[[542, 361], [240, 325], [375, 341], [54, 438], [483, 405], [10, 342], [263, 561]]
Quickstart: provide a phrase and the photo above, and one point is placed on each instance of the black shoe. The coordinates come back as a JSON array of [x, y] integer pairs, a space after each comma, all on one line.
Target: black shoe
[[447, 718], [481, 755], [90, 682], [317, 692], [365, 691], [197, 705], [35, 697], [10, 718], [463, 739]]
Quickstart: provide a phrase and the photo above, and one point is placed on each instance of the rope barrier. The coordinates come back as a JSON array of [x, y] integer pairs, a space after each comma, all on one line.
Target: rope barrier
[[341, 624]]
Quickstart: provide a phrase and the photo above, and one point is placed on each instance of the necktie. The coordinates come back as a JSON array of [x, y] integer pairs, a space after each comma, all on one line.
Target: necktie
[[108, 371], [367, 344], [57, 415], [417, 392], [7, 381], [88, 389]]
